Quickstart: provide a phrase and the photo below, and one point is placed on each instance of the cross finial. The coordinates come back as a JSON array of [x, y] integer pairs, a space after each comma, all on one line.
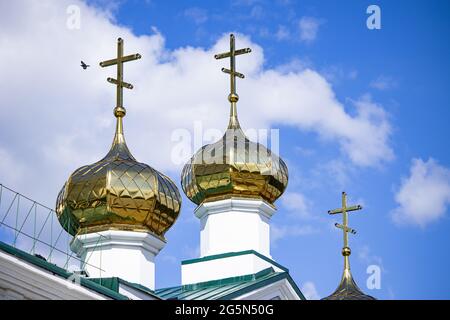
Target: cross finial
[[344, 226], [347, 289], [119, 110], [233, 97]]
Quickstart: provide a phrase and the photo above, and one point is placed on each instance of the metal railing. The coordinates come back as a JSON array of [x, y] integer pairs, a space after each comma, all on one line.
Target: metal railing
[[34, 228]]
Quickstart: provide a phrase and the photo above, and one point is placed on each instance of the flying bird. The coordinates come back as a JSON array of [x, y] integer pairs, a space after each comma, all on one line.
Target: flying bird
[[84, 65]]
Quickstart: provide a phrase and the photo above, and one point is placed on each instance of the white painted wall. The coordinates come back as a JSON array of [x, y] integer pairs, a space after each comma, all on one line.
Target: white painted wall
[[20, 280], [114, 253], [233, 225]]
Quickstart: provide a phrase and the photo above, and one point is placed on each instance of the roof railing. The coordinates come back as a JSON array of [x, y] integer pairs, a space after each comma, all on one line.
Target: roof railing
[[33, 228]]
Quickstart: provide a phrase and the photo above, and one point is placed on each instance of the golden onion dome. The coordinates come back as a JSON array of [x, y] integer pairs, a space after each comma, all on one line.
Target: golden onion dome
[[118, 192], [234, 166], [348, 290]]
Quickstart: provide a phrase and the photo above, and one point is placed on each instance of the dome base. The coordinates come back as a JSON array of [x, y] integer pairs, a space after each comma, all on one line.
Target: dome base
[[116, 253], [235, 224]]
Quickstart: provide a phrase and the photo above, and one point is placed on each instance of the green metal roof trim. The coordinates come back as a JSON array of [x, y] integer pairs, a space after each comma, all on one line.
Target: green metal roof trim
[[110, 283], [114, 282], [228, 288], [85, 282], [235, 254]]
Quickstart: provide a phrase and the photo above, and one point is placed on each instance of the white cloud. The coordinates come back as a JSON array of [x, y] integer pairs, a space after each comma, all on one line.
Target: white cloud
[[383, 83], [11, 169], [424, 196], [366, 256], [309, 27], [257, 12], [304, 152], [282, 33], [295, 65], [336, 74], [280, 232], [309, 291], [58, 116], [373, 121], [198, 15], [297, 204]]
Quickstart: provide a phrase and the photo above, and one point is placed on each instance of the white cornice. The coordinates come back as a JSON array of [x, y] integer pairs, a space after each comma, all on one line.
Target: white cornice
[[117, 238], [235, 204]]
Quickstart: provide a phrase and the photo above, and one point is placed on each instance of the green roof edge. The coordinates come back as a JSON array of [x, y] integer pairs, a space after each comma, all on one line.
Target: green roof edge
[[94, 285], [85, 282], [226, 281], [113, 284], [234, 254], [255, 286]]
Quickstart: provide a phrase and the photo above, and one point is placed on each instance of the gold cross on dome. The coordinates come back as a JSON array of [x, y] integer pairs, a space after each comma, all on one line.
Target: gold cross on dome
[[344, 226], [120, 84], [233, 97]]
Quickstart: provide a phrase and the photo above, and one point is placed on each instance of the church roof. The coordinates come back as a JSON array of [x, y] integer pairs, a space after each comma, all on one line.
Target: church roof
[[227, 289], [223, 289], [58, 271], [114, 284]]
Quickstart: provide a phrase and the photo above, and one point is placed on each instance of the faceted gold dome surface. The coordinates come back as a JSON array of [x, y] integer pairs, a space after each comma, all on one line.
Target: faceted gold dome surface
[[348, 290], [234, 166], [118, 192]]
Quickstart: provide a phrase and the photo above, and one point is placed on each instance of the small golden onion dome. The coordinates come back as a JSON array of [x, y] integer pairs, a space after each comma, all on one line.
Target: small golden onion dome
[[348, 289], [234, 166], [118, 192]]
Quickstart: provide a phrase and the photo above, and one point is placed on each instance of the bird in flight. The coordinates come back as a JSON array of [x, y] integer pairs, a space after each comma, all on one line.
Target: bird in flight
[[84, 65]]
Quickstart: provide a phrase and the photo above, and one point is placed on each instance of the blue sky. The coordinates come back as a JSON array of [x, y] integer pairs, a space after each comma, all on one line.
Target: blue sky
[[400, 73]]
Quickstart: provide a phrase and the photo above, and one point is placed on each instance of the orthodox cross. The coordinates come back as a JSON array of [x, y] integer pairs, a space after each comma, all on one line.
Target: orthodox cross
[[344, 226], [233, 97], [119, 111]]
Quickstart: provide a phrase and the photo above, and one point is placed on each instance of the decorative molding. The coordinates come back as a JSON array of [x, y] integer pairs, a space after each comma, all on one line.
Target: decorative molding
[[118, 238], [235, 204]]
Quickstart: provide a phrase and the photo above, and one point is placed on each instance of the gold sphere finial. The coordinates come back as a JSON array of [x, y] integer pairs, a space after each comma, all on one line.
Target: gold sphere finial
[[119, 112], [346, 251], [233, 97]]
